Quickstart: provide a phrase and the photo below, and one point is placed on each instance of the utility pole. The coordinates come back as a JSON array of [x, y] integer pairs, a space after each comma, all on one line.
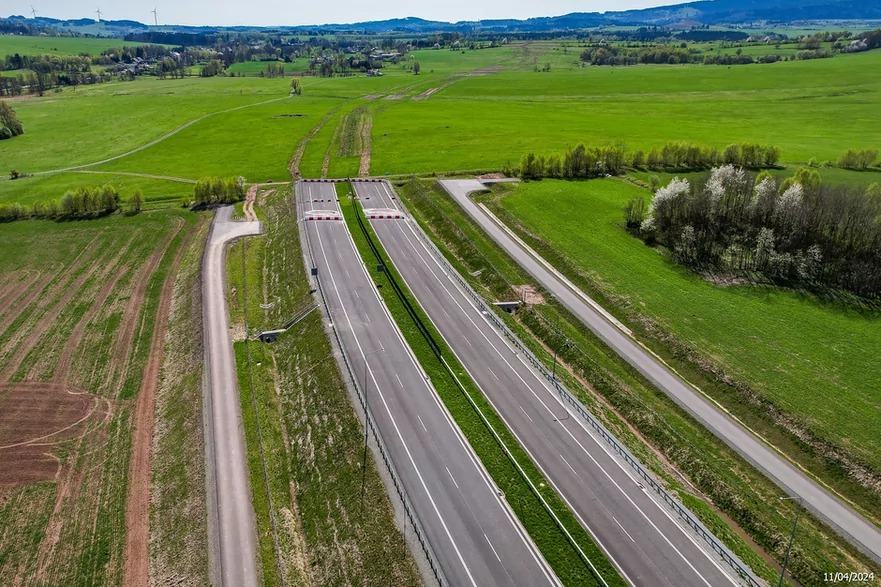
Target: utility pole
[[791, 538]]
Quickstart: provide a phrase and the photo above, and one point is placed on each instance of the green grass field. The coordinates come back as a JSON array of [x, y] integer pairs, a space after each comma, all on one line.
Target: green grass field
[[815, 360], [810, 110], [26, 45], [254, 68]]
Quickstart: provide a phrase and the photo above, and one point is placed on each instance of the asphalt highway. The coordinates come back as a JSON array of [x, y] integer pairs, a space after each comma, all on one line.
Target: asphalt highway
[[471, 530], [641, 536], [794, 481], [231, 515]]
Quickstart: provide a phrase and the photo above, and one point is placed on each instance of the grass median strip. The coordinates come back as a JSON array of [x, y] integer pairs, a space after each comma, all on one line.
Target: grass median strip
[[502, 455]]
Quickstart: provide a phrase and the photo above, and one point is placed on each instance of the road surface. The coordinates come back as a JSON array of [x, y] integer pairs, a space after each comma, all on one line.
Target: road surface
[[640, 536], [472, 532], [231, 515], [795, 482]]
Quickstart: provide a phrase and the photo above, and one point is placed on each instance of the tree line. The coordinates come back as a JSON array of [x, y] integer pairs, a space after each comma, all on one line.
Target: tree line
[[213, 191], [82, 203], [608, 54], [797, 231], [597, 161], [858, 159]]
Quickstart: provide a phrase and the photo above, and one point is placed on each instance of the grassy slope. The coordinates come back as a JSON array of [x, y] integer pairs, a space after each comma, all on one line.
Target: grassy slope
[[549, 539], [809, 109], [814, 360], [697, 466], [310, 433]]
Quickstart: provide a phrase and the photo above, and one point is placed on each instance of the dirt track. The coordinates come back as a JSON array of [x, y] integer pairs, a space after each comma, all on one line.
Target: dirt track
[[366, 145], [136, 571], [248, 208]]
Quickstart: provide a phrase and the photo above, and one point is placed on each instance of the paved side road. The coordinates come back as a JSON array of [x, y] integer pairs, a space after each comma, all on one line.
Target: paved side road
[[230, 514], [826, 506], [640, 535], [473, 534]]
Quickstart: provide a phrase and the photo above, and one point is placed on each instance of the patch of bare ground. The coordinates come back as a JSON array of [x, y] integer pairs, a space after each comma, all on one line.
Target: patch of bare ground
[[485, 70], [10, 282], [130, 317], [35, 419], [136, 570], [248, 208], [426, 94], [529, 294], [726, 279], [366, 145]]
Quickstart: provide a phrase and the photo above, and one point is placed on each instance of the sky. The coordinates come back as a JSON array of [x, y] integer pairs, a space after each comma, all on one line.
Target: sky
[[295, 12]]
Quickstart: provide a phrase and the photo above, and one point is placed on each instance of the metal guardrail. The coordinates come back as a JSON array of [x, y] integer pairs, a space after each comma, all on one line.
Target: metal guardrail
[[724, 553], [409, 510]]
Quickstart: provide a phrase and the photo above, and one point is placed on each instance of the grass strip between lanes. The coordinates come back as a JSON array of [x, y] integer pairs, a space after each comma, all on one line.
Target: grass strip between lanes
[[507, 463]]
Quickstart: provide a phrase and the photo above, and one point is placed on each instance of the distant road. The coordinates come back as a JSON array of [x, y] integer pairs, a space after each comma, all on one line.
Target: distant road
[[470, 528], [642, 537], [231, 513], [841, 517]]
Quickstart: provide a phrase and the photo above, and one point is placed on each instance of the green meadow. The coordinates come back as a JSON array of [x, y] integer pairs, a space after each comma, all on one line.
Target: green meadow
[[37, 45], [815, 360], [810, 109]]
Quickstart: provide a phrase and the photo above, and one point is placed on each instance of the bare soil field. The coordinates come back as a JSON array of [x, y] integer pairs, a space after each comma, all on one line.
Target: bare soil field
[[35, 420]]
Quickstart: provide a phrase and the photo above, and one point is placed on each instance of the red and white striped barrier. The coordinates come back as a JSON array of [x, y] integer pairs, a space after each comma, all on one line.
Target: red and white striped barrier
[[384, 214], [322, 215]]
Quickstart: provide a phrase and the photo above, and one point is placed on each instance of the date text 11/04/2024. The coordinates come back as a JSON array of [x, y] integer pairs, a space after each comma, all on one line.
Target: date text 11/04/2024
[[848, 577]]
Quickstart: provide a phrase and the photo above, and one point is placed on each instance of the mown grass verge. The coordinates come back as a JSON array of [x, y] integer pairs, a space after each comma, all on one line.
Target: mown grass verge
[[694, 464], [560, 553]]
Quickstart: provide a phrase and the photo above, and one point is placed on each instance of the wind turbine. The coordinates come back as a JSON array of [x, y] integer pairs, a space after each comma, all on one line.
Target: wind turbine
[[155, 17], [33, 11], [98, 12]]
